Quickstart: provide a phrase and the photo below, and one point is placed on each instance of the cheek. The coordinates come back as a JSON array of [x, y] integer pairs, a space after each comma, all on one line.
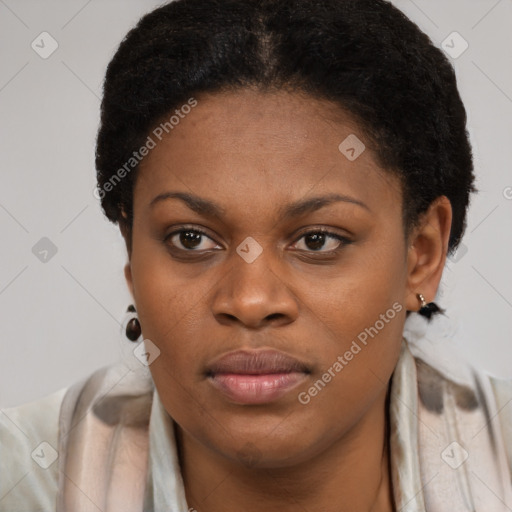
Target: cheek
[[167, 307], [369, 281], [162, 294], [361, 312]]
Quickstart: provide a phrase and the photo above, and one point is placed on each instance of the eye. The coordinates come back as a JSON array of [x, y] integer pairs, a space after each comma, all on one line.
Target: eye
[[196, 240], [318, 239], [191, 240]]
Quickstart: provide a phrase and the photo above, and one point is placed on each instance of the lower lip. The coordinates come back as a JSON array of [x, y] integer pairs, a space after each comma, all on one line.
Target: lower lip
[[256, 389]]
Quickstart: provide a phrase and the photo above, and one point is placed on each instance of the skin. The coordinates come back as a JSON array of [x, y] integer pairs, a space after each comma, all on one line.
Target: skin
[[252, 153]]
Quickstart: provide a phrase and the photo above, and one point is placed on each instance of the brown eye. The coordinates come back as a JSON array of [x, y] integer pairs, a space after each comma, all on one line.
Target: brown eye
[[314, 241], [190, 240]]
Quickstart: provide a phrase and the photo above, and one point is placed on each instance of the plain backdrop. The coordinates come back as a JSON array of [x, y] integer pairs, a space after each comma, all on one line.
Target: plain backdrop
[[60, 318]]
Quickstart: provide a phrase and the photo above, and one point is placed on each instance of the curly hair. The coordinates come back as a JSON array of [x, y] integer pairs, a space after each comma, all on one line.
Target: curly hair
[[364, 55]]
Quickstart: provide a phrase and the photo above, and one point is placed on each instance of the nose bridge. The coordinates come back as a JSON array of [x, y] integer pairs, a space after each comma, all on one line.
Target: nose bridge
[[252, 290], [253, 269]]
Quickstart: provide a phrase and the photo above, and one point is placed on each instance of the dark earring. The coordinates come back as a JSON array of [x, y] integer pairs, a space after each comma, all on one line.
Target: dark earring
[[427, 310], [133, 330]]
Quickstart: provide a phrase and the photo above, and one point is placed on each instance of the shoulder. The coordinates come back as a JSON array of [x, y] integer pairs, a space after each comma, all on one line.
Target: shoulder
[[502, 389], [33, 435], [28, 454]]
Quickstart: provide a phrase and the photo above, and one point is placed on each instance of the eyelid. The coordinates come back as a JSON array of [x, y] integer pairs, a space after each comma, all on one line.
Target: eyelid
[[319, 229]]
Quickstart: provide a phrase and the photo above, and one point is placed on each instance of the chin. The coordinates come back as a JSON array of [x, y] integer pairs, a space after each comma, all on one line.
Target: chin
[[268, 449]]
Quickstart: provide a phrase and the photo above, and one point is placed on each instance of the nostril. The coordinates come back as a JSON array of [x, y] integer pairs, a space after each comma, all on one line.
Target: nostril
[[274, 315]]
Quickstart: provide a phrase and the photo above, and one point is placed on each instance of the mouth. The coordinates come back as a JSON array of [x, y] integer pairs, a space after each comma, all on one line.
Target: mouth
[[256, 377]]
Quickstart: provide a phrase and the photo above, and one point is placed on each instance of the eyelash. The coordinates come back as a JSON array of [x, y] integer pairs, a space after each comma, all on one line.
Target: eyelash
[[344, 240]]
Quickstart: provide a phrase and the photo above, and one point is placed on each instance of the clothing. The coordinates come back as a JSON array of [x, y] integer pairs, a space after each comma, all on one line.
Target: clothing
[[450, 444]]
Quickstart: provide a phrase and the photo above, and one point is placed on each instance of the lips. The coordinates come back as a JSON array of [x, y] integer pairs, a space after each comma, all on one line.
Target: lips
[[256, 363], [256, 377]]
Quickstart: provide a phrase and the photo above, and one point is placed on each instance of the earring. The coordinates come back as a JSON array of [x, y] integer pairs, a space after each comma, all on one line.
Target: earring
[[133, 330], [429, 309]]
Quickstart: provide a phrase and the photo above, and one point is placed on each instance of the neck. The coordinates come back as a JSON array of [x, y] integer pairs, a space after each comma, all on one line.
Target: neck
[[352, 474]]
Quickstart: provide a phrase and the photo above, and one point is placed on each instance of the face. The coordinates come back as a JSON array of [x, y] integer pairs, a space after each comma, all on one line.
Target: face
[[278, 318]]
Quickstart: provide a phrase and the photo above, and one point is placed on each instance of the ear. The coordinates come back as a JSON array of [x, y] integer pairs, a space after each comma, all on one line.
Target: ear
[[428, 248], [125, 231], [128, 277]]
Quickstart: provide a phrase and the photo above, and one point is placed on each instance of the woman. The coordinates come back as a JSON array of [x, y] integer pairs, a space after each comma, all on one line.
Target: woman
[[289, 178]]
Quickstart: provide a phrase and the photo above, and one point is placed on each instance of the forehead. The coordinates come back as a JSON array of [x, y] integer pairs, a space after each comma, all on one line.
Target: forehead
[[256, 149]]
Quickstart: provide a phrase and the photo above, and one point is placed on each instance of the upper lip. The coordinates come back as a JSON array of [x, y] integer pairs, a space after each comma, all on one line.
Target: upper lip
[[256, 362]]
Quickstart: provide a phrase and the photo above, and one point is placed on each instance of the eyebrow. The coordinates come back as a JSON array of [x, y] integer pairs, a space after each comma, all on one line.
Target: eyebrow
[[208, 208]]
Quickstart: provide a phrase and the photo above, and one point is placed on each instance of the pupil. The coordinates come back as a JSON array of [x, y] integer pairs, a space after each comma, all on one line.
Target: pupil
[[190, 239], [318, 240]]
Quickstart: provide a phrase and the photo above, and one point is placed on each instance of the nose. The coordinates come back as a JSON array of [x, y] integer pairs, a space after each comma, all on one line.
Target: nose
[[254, 295]]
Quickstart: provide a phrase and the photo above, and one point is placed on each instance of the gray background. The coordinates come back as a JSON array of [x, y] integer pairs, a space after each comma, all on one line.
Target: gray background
[[60, 319]]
